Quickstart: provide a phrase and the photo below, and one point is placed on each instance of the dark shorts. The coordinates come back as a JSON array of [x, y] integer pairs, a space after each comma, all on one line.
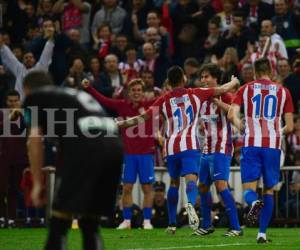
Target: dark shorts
[[88, 178]]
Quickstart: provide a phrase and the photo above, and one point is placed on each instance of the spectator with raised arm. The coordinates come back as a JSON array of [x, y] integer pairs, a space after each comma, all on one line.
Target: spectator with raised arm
[[277, 43], [63, 45], [19, 69]]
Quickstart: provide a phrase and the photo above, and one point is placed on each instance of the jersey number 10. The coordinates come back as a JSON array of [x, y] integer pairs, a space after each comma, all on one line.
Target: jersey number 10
[[269, 106]]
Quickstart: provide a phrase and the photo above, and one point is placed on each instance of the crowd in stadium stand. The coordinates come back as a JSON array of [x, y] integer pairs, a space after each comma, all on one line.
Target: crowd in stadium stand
[[111, 42]]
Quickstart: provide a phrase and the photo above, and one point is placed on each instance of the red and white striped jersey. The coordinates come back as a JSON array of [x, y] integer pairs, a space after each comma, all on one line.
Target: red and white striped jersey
[[264, 103], [217, 129], [294, 142], [181, 108]]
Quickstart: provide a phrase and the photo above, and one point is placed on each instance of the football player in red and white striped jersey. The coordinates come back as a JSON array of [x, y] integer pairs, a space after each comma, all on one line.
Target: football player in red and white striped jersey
[[217, 153], [180, 108], [264, 102]]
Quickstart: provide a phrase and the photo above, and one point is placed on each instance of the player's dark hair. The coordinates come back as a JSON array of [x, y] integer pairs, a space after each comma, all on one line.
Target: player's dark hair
[[37, 79], [12, 92], [262, 66], [175, 76], [211, 68]]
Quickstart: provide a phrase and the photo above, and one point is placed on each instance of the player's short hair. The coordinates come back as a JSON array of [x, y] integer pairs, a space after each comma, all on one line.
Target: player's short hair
[[12, 92], [175, 76], [262, 66], [213, 69], [137, 81], [37, 79]]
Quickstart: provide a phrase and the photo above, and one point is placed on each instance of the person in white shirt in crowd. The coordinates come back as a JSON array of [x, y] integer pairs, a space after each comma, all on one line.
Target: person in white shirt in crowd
[[20, 70], [277, 43]]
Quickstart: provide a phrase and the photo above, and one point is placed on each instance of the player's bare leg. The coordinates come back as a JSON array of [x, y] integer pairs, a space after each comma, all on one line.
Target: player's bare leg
[[251, 198], [205, 205], [265, 215], [147, 205], [127, 206], [192, 193], [223, 190], [172, 200]]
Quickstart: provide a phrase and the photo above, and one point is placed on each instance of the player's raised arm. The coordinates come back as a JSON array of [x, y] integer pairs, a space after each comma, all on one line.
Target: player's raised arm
[[152, 111], [234, 83], [133, 121], [113, 104]]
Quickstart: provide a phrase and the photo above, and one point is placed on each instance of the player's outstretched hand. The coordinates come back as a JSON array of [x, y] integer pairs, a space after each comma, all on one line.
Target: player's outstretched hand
[[85, 83], [236, 81]]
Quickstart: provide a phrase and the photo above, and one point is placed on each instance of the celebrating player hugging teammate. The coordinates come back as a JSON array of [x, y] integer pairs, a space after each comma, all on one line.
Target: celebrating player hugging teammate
[[180, 109]]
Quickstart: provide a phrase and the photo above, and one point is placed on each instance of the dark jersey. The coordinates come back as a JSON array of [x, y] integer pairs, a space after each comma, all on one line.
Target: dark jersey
[[90, 152], [67, 116]]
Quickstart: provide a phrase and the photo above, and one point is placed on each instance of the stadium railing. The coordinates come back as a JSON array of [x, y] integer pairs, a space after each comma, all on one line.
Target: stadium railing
[[287, 204]]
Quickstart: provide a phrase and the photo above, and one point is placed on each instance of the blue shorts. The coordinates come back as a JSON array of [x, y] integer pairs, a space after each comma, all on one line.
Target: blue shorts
[[141, 165], [257, 162], [214, 167], [184, 163]]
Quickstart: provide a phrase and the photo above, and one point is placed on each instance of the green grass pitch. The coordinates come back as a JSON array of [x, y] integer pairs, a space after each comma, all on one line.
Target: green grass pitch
[[138, 239]]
